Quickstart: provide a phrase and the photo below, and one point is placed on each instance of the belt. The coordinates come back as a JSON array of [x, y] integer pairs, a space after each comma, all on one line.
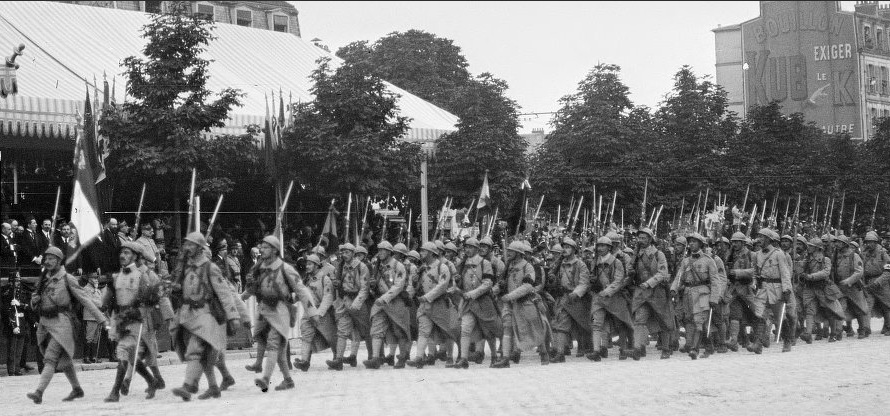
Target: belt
[[53, 311], [348, 293], [706, 283], [194, 304], [770, 280]]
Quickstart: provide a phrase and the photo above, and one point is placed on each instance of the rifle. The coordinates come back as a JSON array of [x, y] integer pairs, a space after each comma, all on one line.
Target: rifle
[[348, 211], [873, 212], [577, 211], [745, 201], [840, 214], [197, 213], [410, 215], [538, 211], [213, 217], [785, 217], [682, 207], [364, 220], [853, 220], [139, 210], [751, 221], [611, 218], [645, 196], [191, 218], [52, 228]]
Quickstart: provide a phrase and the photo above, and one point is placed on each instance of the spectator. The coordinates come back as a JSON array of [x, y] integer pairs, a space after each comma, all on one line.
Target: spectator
[[8, 255], [146, 239], [93, 331], [44, 238], [123, 233], [15, 331], [29, 255], [69, 245], [101, 253]]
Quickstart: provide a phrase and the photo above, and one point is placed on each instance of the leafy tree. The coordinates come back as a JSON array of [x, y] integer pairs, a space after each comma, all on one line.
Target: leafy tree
[[158, 136], [347, 139]]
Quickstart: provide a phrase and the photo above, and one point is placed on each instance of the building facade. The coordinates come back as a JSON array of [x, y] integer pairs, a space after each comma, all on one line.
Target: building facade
[[279, 16], [831, 65]]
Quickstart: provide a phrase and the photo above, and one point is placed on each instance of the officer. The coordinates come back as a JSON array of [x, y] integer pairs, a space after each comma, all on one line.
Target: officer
[[740, 295], [847, 272], [390, 317], [772, 279]]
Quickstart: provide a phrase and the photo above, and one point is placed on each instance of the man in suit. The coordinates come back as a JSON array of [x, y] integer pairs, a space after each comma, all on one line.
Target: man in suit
[[29, 254], [103, 251], [8, 255], [45, 236]]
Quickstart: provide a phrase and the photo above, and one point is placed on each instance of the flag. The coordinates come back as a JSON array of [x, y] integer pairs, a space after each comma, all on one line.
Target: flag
[[484, 193], [268, 147], [330, 223], [518, 215], [85, 200]]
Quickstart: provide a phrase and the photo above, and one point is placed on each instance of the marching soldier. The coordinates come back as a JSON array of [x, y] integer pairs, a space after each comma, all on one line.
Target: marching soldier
[[772, 278], [740, 295], [874, 257], [523, 323], [127, 296], [351, 308], [700, 287], [651, 295], [205, 304], [880, 288], [390, 317], [54, 300], [479, 318], [819, 292], [231, 271], [93, 330], [674, 261], [157, 313], [317, 328], [608, 280], [572, 312], [433, 314], [717, 341], [847, 274]]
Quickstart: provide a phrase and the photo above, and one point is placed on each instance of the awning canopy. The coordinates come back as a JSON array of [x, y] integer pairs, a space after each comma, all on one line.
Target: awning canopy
[[68, 46]]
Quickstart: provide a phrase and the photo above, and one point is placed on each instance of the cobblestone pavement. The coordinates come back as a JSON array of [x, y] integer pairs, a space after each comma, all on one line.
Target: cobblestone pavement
[[847, 377]]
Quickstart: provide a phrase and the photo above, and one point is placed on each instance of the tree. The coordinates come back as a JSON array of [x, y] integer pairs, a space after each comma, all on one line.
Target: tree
[[159, 136], [347, 139]]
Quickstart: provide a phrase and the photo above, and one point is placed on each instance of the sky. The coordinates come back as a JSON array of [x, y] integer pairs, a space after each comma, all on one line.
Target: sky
[[543, 49]]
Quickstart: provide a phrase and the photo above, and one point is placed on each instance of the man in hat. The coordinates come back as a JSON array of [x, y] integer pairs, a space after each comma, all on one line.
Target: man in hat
[[390, 317], [772, 279], [651, 299], [572, 311], [53, 300], [157, 313], [523, 324], [479, 319], [874, 258], [819, 291], [351, 308], [317, 330], [229, 267], [701, 288], [131, 290], [148, 245], [847, 273], [880, 288], [607, 281], [674, 260], [205, 305], [740, 295], [433, 314]]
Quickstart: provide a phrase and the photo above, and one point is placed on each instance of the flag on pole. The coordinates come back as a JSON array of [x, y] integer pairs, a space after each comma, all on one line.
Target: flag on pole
[[268, 142], [484, 193], [85, 200], [330, 223]]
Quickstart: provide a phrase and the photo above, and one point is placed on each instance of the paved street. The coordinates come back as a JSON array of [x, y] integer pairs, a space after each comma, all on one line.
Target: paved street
[[847, 377]]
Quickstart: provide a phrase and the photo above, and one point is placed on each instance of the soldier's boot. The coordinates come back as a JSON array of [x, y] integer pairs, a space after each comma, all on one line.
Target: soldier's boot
[[185, 392], [721, 337], [351, 360], [227, 379], [374, 361], [462, 364], [765, 334], [757, 347], [149, 379], [286, 384], [269, 364], [335, 364], [886, 328], [390, 360], [212, 391], [76, 393], [417, 363], [693, 334], [709, 345], [864, 326], [597, 341], [257, 366], [558, 356], [502, 363], [36, 396], [516, 356], [115, 396], [442, 353], [159, 381]]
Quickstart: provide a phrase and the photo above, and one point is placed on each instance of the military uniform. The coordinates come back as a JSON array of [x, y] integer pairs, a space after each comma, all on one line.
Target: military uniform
[[524, 324], [873, 262], [390, 317], [479, 317], [772, 275], [819, 291], [351, 309], [880, 287], [205, 305], [572, 308], [318, 331], [740, 295], [433, 312], [651, 300], [847, 273], [54, 302], [608, 280], [702, 289]]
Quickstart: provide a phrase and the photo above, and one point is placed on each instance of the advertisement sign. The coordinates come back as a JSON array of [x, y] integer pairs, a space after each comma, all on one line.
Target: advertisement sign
[[803, 54]]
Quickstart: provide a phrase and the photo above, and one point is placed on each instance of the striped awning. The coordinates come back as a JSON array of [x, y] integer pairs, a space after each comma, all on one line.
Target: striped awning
[[69, 47]]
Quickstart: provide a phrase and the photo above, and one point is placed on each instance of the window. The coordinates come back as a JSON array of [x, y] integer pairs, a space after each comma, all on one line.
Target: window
[[153, 7], [886, 113], [880, 38], [874, 113], [204, 10], [866, 31], [279, 23], [872, 82], [243, 18], [885, 79]]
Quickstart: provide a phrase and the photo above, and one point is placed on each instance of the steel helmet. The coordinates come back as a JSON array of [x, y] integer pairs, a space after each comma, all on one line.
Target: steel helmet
[[737, 236], [400, 248], [55, 251], [471, 242], [605, 240], [516, 246], [431, 247], [198, 238], [384, 245]]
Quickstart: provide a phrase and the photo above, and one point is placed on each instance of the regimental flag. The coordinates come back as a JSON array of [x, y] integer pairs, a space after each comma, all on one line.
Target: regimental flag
[[484, 193], [330, 223], [85, 200], [268, 143]]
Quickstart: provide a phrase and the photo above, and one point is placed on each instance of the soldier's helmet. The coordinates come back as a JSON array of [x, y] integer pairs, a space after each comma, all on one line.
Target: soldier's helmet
[[698, 237], [486, 241], [320, 251], [854, 244], [414, 255], [361, 250], [766, 232], [527, 247], [605, 241], [347, 247], [55, 251], [647, 231], [569, 242], [557, 248], [198, 238], [615, 237], [887, 267], [384, 245], [844, 239], [471, 242], [516, 246], [724, 240], [737, 236], [431, 247], [439, 245], [451, 247], [787, 237], [401, 249], [682, 240], [313, 258], [801, 239], [872, 236], [816, 242]]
